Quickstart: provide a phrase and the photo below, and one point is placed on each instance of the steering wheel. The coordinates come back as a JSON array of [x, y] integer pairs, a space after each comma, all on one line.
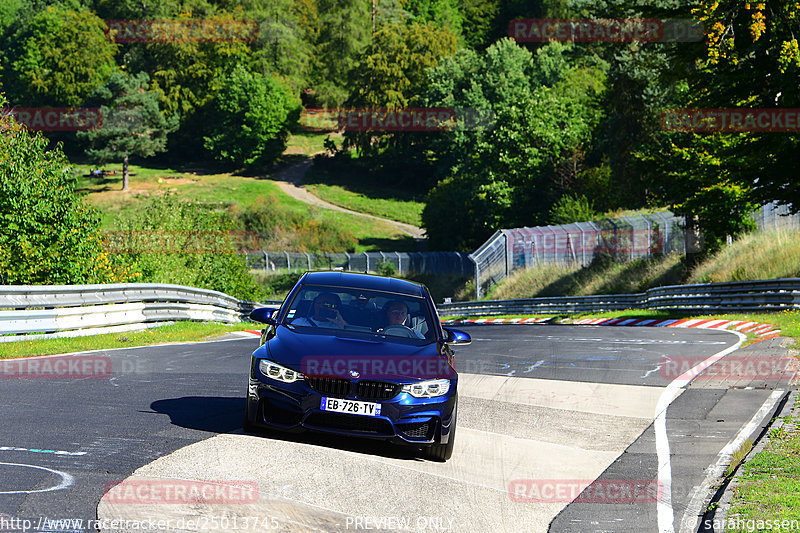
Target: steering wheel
[[399, 330]]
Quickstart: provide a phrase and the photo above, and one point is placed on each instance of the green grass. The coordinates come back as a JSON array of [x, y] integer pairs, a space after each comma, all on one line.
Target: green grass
[[178, 332], [769, 484], [760, 255], [230, 191], [356, 192]]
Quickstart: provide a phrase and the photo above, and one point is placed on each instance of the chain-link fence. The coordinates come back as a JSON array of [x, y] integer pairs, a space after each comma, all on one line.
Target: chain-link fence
[[439, 263], [623, 238], [776, 217]]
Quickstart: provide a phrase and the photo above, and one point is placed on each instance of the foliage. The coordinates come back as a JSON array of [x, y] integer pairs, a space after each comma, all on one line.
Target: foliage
[[58, 58], [569, 209], [386, 268], [279, 228], [507, 172], [187, 243], [47, 233], [343, 35], [251, 118], [132, 122]]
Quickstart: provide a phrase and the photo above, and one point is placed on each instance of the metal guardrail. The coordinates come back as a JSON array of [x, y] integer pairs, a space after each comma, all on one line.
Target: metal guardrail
[[73, 310], [765, 295]]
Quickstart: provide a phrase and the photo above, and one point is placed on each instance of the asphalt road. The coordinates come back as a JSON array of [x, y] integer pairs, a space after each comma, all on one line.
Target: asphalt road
[[64, 439]]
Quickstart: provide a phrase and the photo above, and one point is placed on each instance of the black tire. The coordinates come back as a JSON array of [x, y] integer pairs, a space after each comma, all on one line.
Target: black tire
[[248, 426], [442, 452]]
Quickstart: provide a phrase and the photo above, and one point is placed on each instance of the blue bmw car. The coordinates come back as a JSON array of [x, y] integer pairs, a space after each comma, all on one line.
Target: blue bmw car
[[359, 355]]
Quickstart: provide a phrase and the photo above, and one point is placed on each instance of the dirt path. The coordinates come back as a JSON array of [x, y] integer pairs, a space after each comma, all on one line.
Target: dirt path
[[290, 180]]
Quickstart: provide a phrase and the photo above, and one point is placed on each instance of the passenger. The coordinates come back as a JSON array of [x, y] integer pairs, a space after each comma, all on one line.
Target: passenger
[[397, 315]]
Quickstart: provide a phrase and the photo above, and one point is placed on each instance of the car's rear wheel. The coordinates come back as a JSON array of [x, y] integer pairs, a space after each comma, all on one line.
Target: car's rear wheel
[[443, 452]]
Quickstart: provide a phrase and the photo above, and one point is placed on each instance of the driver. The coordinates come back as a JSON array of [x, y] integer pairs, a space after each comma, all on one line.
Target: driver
[[325, 313], [396, 315]]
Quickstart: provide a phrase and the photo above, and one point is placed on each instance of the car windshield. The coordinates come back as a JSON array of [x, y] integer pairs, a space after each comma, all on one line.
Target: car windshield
[[378, 313]]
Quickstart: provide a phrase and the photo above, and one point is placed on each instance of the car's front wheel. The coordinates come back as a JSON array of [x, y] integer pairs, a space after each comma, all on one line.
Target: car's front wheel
[[248, 426], [443, 452]]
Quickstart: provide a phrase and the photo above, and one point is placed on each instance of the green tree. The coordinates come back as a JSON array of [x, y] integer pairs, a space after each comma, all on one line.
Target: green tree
[[47, 233], [545, 111], [58, 58], [285, 43], [251, 118], [344, 33], [132, 122]]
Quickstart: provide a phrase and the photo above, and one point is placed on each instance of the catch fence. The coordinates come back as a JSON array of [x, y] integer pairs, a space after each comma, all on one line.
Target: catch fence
[[437, 263], [624, 238]]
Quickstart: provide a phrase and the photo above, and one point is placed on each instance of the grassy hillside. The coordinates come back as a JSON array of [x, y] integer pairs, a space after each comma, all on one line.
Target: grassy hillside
[[294, 220], [363, 194], [765, 255]]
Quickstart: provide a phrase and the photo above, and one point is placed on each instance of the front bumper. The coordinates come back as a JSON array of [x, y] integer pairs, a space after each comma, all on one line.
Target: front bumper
[[295, 407]]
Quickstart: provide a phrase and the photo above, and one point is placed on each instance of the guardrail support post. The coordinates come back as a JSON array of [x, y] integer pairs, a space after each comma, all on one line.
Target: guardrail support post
[[288, 262]]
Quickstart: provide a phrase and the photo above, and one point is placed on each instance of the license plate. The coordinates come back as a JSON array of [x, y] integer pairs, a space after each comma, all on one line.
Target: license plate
[[350, 406]]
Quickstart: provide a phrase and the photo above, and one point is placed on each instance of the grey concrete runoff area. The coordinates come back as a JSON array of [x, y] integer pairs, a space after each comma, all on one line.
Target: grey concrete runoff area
[[560, 428]]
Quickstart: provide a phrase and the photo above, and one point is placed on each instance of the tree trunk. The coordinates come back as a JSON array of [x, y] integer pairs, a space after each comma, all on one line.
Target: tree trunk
[[125, 173]]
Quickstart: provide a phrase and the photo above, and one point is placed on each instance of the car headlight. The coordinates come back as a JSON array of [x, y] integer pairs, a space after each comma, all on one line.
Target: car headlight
[[278, 372], [428, 389]]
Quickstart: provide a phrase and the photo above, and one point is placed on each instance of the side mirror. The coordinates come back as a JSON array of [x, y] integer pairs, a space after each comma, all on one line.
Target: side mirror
[[456, 336], [264, 315]]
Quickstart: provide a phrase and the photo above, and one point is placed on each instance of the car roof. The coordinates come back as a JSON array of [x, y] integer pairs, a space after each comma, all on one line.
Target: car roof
[[363, 281]]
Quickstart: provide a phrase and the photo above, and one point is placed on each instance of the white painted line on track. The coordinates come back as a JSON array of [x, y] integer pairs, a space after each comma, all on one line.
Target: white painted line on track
[[66, 479], [666, 516], [716, 471]]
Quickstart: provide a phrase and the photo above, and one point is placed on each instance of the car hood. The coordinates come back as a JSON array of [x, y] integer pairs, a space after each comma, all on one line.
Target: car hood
[[319, 354]]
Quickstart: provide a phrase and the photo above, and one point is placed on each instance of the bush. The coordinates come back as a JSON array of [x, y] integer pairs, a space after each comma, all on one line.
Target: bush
[[172, 241], [47, 234], [280, 228], [386, 268], [569, 209], [250, 119]]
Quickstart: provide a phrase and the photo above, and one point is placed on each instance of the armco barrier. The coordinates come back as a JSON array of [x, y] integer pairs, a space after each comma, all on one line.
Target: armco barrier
[[72, 310], [766, 295]]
